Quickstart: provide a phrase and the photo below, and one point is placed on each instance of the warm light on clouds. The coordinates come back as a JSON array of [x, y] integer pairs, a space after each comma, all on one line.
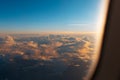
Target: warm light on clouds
[[50, 38]]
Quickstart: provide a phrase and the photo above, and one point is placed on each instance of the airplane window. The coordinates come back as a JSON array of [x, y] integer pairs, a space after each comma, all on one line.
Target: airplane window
[[50, 39]]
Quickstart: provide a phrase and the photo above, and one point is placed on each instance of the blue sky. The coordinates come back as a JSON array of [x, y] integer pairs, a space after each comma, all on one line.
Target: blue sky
[[48, 15]]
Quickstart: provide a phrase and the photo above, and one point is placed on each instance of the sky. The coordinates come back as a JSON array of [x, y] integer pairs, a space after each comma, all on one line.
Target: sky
[[49, 15]]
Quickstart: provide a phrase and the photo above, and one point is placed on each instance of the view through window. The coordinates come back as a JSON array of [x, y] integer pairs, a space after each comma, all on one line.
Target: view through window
[[50, 39]]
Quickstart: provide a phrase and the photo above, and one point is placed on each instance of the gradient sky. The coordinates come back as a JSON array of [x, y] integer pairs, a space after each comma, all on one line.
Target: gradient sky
[[48, 15]]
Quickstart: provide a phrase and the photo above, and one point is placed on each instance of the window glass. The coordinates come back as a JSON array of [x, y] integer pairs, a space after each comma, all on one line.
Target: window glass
[[50, 39]]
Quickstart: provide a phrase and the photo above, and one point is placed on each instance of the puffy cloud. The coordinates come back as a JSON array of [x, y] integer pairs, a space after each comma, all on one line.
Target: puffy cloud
[[32, 44], [44, 45], [79, 48], [50, 51], [59, 54], [9, 40], [18, 52], [58, 44], [45, 58], [85, 50]]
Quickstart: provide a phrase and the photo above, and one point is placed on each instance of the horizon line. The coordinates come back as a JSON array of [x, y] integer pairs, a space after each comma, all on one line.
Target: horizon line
[[53, 32]]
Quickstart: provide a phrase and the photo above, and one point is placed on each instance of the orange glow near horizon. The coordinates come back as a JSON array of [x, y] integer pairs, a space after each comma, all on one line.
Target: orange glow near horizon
[[68, 47]]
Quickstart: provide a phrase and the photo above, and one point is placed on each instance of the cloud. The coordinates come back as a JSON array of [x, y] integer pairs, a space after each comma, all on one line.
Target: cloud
[[45, 58], [32, 44], [58, 44], [9, 38], [76, 47], [85, 51], [18, 52], [7, 41]]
